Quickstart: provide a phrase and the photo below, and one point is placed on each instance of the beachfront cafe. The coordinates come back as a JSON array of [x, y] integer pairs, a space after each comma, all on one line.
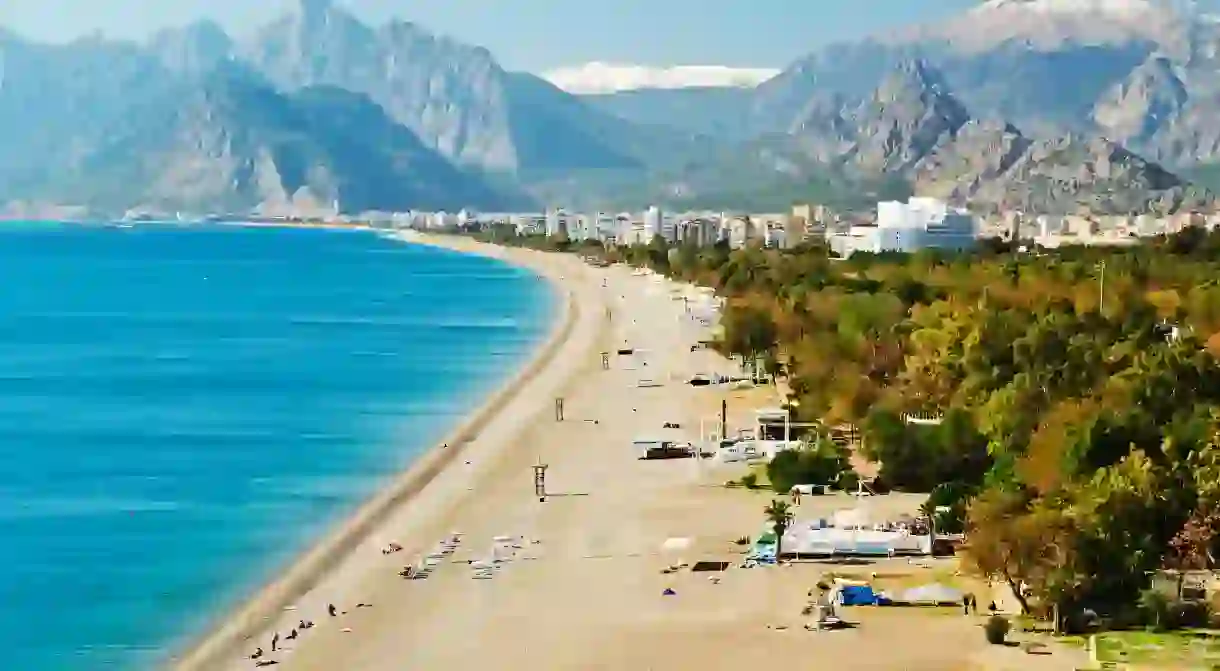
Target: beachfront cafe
[[776, 425], [847, 533]]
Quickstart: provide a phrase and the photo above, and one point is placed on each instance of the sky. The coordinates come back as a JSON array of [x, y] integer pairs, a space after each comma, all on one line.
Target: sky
[[532, 35]]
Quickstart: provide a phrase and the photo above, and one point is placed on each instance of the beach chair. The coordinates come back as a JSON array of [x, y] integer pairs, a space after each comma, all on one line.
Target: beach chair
[[482, 570]]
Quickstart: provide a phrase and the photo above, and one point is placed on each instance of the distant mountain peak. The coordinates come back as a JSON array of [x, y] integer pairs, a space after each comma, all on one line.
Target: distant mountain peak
[[1112, 7], [1051, 24], [597, 77], [916, 82]]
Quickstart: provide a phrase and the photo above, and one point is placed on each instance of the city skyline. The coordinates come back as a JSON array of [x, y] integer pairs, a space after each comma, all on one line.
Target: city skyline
[[531, 35]]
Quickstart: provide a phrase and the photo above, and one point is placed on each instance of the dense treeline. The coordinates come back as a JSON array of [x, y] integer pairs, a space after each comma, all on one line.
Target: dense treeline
[[1078, 392]]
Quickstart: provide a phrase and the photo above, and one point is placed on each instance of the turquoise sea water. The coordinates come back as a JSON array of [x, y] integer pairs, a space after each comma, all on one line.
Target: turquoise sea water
[[183, 409]]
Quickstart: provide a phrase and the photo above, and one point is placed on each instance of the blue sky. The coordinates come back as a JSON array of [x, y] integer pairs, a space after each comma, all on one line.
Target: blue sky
[[533, 34]]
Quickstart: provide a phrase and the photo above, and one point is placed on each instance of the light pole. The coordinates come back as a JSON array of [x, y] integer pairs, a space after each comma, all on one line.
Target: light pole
[[1102, 285]]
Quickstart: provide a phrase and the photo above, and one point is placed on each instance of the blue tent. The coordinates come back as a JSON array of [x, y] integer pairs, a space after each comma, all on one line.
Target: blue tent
[[857, 595]]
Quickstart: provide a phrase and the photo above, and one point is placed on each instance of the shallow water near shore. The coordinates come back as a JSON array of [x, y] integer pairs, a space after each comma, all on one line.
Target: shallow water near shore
[[182, 410]]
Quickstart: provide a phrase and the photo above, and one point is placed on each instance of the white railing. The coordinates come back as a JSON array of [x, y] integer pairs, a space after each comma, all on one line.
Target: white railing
[[923, 418]]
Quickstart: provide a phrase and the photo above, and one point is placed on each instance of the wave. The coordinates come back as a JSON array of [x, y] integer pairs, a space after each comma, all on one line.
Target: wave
[[463, 323], [345, 487], [25, 507]]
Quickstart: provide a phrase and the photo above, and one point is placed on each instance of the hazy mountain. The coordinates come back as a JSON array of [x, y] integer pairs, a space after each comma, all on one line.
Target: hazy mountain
[[1052, 25], [719, 111], [1049, 66], [994, 165], [231, 142], [454, 96], [913, 134], [1100, 81], [191, 50], [55, 100]]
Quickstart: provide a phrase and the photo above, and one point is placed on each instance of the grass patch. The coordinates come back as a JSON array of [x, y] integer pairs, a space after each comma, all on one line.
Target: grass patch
[[760, 475], [1190, 649], [755, 479]]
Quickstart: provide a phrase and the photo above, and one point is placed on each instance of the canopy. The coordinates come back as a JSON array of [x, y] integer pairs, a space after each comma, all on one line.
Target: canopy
[[857, 595], [933, 593]]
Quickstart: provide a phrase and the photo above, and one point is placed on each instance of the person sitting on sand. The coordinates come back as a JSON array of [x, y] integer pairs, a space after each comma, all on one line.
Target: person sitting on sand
[[330, 608], [258, 652], [391, 549], [292, 635]]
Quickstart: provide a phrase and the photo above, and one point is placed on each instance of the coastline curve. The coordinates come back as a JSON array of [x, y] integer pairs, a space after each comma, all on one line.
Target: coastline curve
[[218, 644]]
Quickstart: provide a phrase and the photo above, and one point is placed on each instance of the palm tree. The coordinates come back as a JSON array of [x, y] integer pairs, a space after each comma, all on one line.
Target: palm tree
[[928, 508], [779, 514]]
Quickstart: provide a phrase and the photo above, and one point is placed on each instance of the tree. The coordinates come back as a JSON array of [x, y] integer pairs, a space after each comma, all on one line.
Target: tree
[[821, 462], [1196, 546], [749, 330], [928, 510], [1023, 543], [779, 514]]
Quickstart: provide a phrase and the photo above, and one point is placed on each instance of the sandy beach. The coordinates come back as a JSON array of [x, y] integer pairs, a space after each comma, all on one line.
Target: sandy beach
[[582, 588]]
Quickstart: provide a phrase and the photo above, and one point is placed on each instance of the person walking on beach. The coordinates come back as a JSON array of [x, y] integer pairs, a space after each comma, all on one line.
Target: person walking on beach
[[275, 641]]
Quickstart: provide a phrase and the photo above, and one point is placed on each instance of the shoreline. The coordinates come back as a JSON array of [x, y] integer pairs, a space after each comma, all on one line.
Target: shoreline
[[224, 639]]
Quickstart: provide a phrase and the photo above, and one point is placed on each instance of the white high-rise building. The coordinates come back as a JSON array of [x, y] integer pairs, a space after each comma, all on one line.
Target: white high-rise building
[[652, 223], [921, 223], [554, 222]]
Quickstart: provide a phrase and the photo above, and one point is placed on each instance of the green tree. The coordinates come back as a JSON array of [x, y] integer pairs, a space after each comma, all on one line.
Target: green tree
[[779, 515], [749, 330], [821, 462]]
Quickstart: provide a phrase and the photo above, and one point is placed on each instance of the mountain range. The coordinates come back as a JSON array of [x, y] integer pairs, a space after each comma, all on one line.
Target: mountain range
[[1042, 105]]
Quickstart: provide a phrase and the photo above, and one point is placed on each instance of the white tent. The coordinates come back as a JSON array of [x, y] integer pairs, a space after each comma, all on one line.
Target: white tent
[[933, 593], [815, 539]]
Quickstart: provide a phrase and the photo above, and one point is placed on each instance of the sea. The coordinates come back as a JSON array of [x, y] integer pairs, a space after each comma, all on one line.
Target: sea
[[184, 409]]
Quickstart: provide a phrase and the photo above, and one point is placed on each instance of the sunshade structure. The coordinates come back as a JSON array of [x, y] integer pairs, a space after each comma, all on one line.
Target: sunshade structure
[[934, 593]]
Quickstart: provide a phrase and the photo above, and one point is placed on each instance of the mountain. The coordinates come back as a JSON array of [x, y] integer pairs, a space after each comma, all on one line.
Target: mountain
[[318, 106], [55, 100], [910, 114], [455, 97], [1143, 73], [913, 135], [1056, 24], [231, 142], [193, 49], [995, 166], [61, 102], [717, 111]]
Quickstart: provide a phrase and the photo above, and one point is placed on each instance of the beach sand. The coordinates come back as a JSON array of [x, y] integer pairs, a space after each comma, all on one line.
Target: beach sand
[[584, 590]]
